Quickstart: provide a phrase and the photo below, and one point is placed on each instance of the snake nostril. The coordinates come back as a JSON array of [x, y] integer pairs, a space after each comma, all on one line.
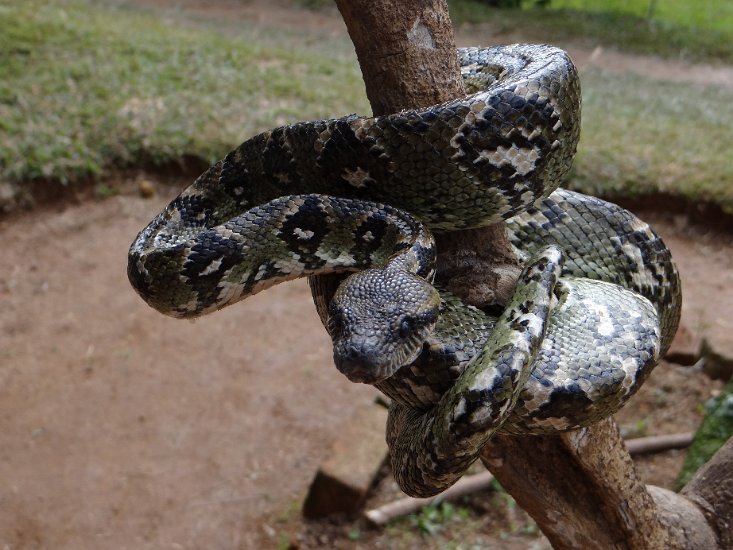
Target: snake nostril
[[355, 353]]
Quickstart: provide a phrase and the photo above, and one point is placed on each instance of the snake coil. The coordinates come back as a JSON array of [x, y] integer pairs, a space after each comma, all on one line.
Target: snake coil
[[597, 302]]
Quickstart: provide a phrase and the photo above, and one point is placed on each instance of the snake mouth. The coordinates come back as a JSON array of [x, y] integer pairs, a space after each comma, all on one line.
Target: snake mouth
[[364, 369], [359, 373], [365, 366]]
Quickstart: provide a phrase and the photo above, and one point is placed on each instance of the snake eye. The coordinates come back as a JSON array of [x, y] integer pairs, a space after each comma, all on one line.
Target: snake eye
[[406, 326]]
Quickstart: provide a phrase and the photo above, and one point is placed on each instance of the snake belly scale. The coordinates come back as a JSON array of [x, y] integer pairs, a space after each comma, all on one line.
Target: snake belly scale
[[364, 195]]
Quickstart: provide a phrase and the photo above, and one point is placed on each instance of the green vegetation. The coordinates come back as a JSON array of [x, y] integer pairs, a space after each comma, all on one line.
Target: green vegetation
[[86, 87], [431, 519], [672, 29], [710, 14], [706, 15], [444, 525], [716, 429], [641, 136]]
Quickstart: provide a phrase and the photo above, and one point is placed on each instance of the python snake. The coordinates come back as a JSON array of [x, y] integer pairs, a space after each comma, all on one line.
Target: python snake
[[597, 301]]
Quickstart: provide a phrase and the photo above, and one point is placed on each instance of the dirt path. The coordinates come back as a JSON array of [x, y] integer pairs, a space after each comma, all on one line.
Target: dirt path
[[125, 429], [120, 428]]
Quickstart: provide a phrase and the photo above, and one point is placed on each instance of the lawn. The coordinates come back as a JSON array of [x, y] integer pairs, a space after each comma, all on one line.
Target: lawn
[[703, 15], [693, 30], [641, 136], [87, 87]]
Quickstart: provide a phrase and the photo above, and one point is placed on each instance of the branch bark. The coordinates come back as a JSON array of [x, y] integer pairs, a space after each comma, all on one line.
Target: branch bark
[[479, 482], [584, 492], [406, 51], [712, 491], [407, 55]]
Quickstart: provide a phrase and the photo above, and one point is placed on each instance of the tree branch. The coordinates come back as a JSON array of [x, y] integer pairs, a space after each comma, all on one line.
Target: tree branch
[[406, 51], [581, 487], [583, 493], [479, 482], [712, 491]]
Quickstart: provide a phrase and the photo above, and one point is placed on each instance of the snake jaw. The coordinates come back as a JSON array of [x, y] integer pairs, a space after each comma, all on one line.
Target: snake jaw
[[359, 362], [364, 360], [379, 320]]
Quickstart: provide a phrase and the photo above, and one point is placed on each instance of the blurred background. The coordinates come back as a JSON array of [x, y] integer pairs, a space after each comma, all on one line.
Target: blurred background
[[120, 428]]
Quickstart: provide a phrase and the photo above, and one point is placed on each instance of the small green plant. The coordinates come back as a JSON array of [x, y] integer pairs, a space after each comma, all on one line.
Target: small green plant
[[715, 430], [433, 518], [496, 487]]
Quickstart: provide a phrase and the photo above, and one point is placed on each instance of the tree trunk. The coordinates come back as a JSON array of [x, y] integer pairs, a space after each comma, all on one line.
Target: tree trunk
[[406, 51], [580, 487]]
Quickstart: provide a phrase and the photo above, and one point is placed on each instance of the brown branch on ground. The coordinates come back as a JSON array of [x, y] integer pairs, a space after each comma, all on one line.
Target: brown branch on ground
[[407, 505], [658, 443]]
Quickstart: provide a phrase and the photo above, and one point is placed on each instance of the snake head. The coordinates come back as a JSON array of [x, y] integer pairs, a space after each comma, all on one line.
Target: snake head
[[378, 321]]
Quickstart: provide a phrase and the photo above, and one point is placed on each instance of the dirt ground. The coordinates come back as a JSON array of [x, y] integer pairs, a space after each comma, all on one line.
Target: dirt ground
[[120, 428]]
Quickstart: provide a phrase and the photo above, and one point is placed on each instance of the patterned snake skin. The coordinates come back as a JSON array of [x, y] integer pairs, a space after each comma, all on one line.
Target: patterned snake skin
[[597, 302]]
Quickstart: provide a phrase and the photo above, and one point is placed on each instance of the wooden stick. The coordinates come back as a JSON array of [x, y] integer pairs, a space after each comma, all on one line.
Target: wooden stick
[[659, 443], [408, 505]]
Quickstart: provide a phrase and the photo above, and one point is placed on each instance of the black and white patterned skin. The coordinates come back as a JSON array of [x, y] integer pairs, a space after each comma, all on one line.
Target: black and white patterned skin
[[597, 302]]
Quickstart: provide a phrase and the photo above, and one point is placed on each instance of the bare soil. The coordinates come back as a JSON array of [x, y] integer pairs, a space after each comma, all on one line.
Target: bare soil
[[120, 428]]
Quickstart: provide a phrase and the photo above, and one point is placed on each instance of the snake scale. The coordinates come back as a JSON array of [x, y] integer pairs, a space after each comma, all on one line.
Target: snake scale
[[597, 302]]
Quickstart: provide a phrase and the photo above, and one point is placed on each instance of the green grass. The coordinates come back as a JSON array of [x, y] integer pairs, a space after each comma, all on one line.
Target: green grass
[[681, 29], [643, 136], [703, 15], [85, 87], [715, 430]]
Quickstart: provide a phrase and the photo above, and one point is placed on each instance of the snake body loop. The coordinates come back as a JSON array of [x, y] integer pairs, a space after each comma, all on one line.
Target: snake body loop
[[466, 163], [597, 301]]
